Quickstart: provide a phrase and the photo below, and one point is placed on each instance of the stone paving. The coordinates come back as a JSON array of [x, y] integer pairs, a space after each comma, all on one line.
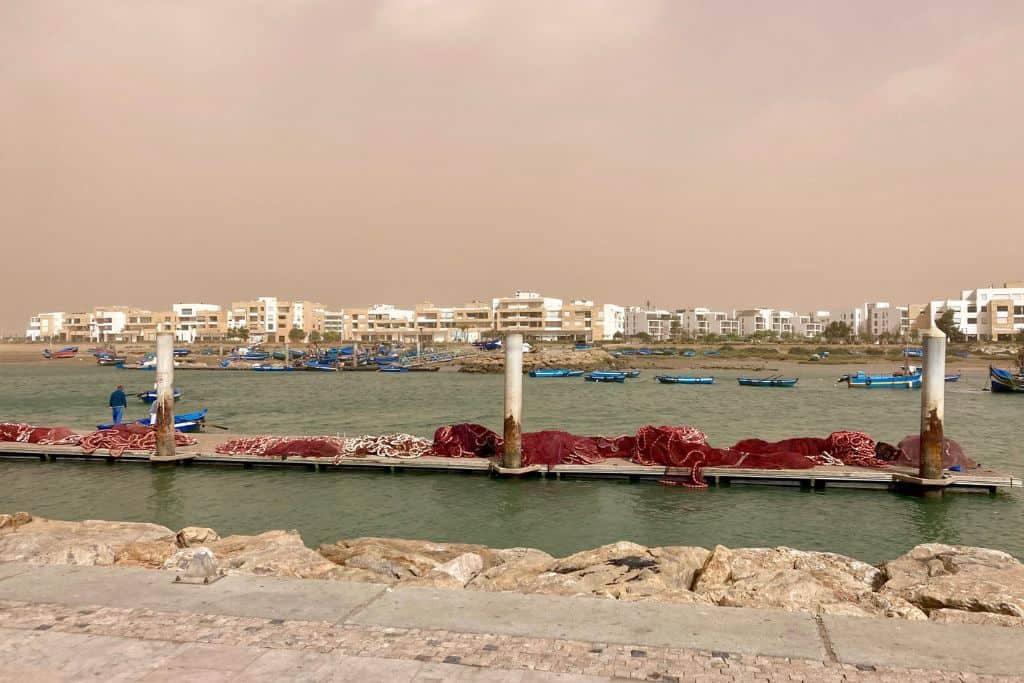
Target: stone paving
[[47, 641]]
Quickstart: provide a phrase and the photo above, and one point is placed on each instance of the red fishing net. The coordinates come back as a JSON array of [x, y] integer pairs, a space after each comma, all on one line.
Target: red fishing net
[[674, 448], [128, 437], [26, 433], [952, 454]]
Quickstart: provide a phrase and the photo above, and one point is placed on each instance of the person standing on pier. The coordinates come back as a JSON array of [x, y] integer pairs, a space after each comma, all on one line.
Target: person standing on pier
[[118, 402]]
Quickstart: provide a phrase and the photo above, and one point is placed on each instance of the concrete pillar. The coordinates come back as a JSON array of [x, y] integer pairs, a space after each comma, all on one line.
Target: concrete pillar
[[165, 395], [513, 456], [933, 400]]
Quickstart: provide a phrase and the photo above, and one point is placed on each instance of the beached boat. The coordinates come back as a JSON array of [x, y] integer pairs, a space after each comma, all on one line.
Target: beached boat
[[632, 373], [689, 353], [1006, 382], [555, 372], [270, 367], [862, 380], [178, 353], [392, 368], [66, 352], [953, 378], [294, 353], [186, 422], [110, 360], [605, 377], [319, 366], [150, 396], [684, 379], [768, 381]]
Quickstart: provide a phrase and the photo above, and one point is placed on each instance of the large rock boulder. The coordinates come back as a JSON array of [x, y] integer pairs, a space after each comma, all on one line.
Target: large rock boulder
[[399, 559], [273, 553], [91, 542], [935, 576], [799, 581], [9, 523], [196, 535], [621, 571], [519, 567]]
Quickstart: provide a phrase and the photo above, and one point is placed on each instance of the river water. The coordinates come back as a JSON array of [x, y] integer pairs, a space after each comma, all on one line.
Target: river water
[[557, 516]]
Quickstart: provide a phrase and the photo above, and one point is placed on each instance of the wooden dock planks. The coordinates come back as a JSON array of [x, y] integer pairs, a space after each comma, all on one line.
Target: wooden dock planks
[[818, 477]]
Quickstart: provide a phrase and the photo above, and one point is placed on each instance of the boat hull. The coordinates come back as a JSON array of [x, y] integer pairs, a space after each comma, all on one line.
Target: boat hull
[[669, 379], [884, 382], [754, 382], [1005, 382], [605, 378]]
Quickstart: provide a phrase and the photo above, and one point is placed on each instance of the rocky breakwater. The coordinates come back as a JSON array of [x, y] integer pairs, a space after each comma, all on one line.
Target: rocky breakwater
[[494, 362], [943, 583]]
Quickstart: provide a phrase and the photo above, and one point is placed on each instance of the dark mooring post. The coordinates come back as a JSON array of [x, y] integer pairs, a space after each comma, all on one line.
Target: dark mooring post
[[933, 401], [164, 395], [513, 456]]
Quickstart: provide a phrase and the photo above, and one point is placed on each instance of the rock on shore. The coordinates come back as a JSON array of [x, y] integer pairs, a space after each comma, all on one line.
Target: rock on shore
[[593, 359], [947, 584]]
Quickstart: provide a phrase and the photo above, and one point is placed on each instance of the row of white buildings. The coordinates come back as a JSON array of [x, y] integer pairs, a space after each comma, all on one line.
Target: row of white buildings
[[979, 314]]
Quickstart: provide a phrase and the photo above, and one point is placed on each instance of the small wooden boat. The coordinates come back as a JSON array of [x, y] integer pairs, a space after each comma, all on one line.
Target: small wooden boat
[[862, 380], [251, 355], [110, 360], [294, 353], [684, 379], [66, 352], [555, 372], [689, 353], [767, 381], [392, 368], [1005, 382], [632, 373], [605, 377], [268, 367], [178, 353], [384, 360], [953, 378], [186, 422], [150, 396]]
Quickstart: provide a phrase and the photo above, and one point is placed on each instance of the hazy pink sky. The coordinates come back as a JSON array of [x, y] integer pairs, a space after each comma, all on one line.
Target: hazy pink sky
[[796, 154]]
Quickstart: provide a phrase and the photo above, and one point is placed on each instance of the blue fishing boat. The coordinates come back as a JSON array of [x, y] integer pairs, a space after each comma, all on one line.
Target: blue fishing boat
[[689, 353], [1006, 382], [268, 367], [186, 422], [555, 372], [319, 366], [913, 353], [632, 373], [384, 360], [181, 352], [767, 381], [953, 378], [150, 396], [862, 380], [605, 377], [712, 353], [581, 346], [684, 379], [392, 368], [110, 360]]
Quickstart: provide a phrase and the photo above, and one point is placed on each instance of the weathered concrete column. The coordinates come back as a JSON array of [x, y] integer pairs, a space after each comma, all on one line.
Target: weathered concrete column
[[933, 400], [165, 395], [513, 457]]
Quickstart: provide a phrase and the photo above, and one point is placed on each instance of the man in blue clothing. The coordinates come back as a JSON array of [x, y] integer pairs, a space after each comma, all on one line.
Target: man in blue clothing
[[118, 402]]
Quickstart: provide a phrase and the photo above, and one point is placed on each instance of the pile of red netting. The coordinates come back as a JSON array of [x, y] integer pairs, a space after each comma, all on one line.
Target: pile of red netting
[[337, 447], [26, 433], [669, 447], [117, 439], [128, 437]]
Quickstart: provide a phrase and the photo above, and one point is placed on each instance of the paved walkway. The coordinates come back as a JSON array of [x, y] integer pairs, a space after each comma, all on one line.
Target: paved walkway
[[95, 623]]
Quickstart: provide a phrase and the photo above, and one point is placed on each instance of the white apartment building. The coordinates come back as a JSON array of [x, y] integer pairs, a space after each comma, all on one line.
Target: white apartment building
[[45, 326], [881, 317], [754, 321], [854, 319], [542, 318], [811, 325], [614, 321], [654, 322], [193, 322], [991, 313], [108, 324]]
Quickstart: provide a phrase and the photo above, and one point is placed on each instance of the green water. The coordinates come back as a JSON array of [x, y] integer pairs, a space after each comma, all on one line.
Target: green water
[[559, 517]]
